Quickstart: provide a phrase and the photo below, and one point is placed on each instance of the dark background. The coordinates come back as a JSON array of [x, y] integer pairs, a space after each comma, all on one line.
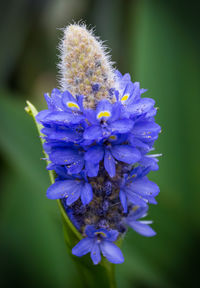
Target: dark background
[[158, 43]]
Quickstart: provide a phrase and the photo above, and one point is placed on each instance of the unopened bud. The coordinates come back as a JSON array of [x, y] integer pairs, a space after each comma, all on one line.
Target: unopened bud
[[85, 67]]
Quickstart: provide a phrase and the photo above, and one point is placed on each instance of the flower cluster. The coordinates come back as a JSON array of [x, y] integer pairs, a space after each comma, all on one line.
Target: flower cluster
[[100, 154]]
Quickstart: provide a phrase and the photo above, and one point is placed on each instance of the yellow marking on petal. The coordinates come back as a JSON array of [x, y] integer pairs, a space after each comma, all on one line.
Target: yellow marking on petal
[[124, 98], [103, 114], [113, 137], [72, 105], [101, 233], [134, 175]]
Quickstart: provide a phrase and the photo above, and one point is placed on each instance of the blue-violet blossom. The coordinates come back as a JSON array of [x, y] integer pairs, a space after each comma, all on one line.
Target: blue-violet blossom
[[98, 134]]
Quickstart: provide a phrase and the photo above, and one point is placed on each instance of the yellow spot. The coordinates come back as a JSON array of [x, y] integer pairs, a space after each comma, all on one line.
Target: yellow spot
[[124, 98], [101, 233], [113, 137], [72, 105], [103, 114], [133, 176]]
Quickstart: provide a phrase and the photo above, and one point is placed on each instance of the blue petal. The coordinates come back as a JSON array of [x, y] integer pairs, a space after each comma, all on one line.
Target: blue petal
[[75, 167], [56, 98], [111, 252], [138, 213], [62, 118], [131, 92], [109, 163], [116, 110], [86, 193], [141, 228], [138, 143], [61, 189], [146, 131], [121, 126], [73, 195], [144, 187], [104, 110], [136, 199], [66, 135], [94, 154], [83, 247], [90, 231], [93, 133], [140, 107], [126, 153], [91, 169], [49, 101], [122, 196], [90, 114], [151, 113], [64, 156], [69, 102], [148, 161], [95, 254], [112, 235], [42, 115]]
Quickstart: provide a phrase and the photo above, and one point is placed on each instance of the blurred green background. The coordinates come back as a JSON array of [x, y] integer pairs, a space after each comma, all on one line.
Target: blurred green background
[[158, 43]]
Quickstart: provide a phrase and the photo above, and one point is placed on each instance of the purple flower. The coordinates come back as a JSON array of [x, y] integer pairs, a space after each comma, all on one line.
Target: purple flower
[[100, 154], [72, 190], [109, 154], [99, 241], [141, 227], [105, 120], [137, 189]]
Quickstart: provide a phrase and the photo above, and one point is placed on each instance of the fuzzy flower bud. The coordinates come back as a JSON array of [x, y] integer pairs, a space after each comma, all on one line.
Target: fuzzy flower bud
[[85, 67]]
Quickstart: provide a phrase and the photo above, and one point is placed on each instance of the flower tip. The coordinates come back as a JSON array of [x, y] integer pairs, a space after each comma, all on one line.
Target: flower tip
[[85, 67]]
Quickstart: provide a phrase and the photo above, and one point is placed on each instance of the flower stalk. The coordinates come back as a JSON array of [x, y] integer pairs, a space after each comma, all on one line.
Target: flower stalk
[[97, 134]]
